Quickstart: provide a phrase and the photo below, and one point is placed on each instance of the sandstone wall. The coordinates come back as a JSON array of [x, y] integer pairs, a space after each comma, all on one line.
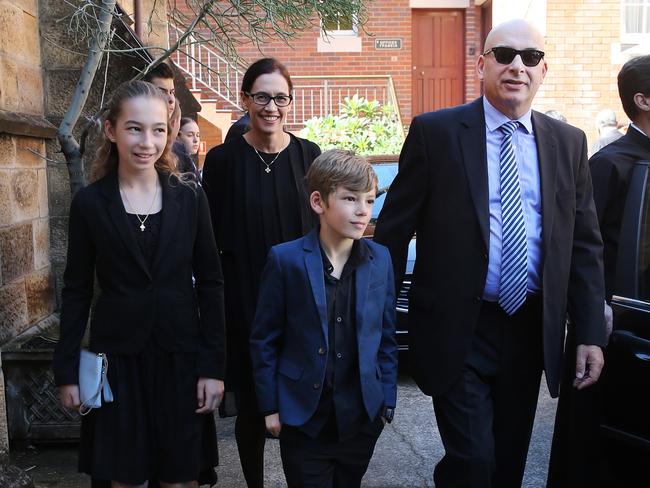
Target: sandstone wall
[[26, 283]]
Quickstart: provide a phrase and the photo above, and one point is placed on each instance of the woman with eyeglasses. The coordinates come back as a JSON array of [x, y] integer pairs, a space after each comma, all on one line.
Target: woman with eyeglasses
[[255, 187]]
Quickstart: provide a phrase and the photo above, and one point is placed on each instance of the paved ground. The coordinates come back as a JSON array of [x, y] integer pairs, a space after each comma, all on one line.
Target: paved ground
[[404, 457]]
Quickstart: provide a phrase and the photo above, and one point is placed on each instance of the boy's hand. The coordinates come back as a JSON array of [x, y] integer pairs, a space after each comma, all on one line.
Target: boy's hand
[[69, 396], [209, 392], [273, 424]]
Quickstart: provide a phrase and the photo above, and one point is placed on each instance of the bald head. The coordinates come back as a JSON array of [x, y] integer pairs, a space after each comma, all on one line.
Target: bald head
[[510, 84], [513, 29]]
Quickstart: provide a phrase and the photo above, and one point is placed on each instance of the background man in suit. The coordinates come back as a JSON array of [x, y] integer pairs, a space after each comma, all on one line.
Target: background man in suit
[[577, 447], [507, 243], [607, 126]]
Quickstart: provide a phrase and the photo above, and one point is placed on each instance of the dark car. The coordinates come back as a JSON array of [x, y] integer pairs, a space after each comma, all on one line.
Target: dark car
[[386, 169], [625, 384]]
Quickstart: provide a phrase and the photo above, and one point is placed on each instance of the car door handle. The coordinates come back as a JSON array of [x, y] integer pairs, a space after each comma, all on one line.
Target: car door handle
[[637, 345]]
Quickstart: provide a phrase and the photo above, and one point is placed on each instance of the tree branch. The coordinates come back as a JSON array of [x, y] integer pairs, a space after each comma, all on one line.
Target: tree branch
[[69, 144]]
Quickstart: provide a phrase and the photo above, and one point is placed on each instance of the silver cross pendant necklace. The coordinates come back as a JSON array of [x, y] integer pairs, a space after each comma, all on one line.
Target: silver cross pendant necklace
[[267, 170], [146, 216]]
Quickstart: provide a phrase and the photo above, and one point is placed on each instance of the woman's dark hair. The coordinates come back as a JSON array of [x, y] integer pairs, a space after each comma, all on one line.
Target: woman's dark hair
[[634, 78], [261, 67]]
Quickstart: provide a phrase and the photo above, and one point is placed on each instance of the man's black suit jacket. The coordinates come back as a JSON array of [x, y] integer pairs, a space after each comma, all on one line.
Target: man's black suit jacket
[[610, 171], [441, 192], [134, 298]]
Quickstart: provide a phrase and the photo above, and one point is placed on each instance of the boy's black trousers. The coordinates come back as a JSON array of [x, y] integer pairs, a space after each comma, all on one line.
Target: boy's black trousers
[[325, 461]]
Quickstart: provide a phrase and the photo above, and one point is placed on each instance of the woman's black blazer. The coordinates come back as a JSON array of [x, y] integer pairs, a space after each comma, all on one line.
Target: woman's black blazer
[[138, 303]]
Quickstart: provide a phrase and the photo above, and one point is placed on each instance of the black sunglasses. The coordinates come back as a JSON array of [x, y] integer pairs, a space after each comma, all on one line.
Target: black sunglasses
[[505, 55], [263, 99]]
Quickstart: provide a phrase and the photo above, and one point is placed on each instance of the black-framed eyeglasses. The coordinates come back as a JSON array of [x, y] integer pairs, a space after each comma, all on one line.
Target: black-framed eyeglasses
[[263, 99], [505, 55]]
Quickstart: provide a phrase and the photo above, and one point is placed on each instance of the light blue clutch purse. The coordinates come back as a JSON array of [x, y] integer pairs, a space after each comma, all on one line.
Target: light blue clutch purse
[[93, 381]]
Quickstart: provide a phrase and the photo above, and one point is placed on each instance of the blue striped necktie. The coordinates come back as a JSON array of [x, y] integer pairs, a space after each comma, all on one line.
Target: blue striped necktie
[[514, 251]]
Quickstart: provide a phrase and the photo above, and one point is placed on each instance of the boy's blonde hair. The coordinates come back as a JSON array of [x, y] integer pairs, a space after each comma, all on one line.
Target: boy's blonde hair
[[340, 168]]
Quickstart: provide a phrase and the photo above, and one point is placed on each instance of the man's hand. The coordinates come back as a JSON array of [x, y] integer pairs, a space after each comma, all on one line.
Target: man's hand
[[589, 364], [69, 396], [209, 392], [609, 321], [273, 424]]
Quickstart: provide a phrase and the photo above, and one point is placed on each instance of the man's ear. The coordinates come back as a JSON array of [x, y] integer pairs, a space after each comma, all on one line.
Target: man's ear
[[642, 102], [480, 66], [108, 131], [317, 202]]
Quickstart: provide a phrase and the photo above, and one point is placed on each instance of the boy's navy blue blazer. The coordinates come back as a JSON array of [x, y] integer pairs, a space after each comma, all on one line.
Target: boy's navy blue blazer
[[290, 327]]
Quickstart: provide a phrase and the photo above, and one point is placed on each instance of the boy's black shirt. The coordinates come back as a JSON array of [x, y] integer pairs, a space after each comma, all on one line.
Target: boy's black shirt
[[340, 412]]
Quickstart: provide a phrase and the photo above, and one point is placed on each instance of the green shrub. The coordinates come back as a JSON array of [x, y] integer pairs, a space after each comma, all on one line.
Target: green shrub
[[364, 126]]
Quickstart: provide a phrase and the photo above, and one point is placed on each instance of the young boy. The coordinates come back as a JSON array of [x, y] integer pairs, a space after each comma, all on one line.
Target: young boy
[[162, 76], [323, 339]]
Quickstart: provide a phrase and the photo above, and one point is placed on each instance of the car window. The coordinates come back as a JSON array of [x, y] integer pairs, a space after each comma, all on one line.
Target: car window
[[386, 173], [644, 247]]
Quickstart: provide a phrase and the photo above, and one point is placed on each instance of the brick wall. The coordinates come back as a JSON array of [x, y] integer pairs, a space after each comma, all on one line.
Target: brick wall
[[387, 19], [581, 79], [473, 41]]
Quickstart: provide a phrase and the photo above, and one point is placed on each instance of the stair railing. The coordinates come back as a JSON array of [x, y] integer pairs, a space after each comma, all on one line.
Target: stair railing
[[207, 68]]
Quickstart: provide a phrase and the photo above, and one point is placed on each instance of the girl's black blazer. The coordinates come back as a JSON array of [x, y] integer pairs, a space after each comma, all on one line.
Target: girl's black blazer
[[138, 303]]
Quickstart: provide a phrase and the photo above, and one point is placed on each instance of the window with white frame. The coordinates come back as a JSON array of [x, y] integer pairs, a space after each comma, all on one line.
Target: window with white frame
[[339, 33], [340, 25], [635, 21]]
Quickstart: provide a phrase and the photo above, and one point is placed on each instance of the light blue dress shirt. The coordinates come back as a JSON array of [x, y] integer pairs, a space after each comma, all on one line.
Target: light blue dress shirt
[[523, 141]]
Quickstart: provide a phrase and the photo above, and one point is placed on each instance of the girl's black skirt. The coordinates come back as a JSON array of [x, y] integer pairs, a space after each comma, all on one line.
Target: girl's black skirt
[[151, 430]]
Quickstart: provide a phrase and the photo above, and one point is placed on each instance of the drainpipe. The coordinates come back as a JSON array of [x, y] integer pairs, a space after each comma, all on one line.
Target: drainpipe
[[137, 14]]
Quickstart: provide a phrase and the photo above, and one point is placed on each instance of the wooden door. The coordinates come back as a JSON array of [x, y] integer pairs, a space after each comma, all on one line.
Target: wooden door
[[438, 60]]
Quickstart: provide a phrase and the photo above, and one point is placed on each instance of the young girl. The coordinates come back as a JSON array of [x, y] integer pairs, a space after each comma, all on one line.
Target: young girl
[[189, 135], [143, 231], [179, 147]]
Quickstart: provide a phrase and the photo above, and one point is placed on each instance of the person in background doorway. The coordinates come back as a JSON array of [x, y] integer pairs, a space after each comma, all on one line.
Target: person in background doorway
[[256, 189]]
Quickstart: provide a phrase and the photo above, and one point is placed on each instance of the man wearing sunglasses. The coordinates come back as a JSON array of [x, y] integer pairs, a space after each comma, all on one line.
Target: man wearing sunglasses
[[507, 243]]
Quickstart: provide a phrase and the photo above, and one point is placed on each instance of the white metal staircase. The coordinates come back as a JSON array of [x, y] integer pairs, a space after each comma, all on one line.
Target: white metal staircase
[[219, 80], [207, 69]]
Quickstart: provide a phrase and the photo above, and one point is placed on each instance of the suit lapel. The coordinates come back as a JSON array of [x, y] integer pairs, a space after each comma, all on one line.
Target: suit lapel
[[547, 157], [123, 228], [363, 273], [314, 266], [472, 146], [170, 214]]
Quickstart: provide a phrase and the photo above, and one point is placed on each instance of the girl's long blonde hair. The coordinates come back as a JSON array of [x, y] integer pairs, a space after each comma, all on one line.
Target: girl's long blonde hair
[[106, 158]]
